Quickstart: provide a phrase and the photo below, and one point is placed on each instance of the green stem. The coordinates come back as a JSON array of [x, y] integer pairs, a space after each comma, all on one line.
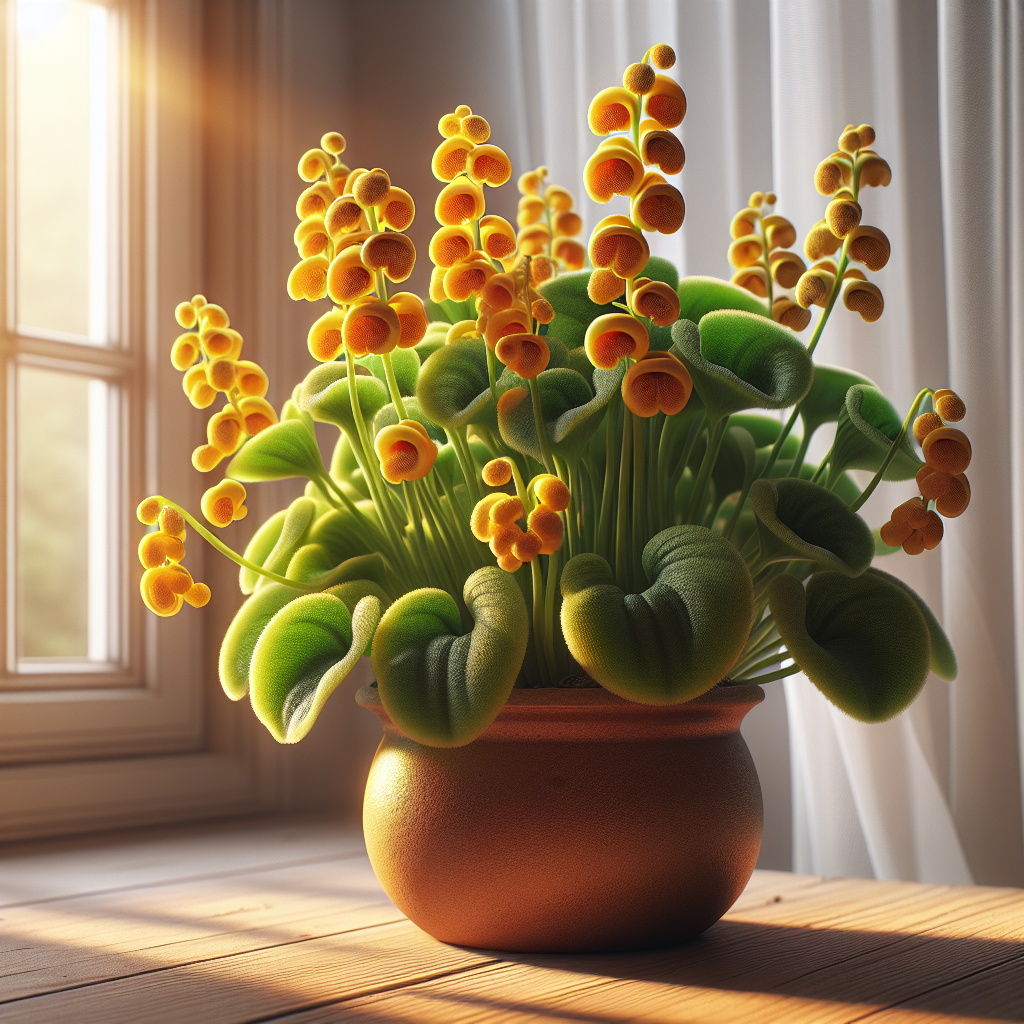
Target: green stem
[[772, 659], [611, 455], [551, 622], [782, 673], [639, 467], [539, 632], [396, 395], [893, 449], [715, 436], [622, 509], [235, 557]]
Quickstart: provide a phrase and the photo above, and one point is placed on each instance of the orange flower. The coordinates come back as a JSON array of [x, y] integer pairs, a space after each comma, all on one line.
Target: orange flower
[[257, 413], [449, 158], [666, 102], [459, 202], [864, 298], [947, 449], [226, 431], [657, 300], [157, 548], [615, 169], [412, 318], [925, 424], [504, 323], [165, 588], [546, 523], [396, 210], [661, 148], [949, 405], [657, 383], [391, 252], [789, 314], [551, 491], [570, 252], [659, 207], [450, 245], [604, 286], [488, 165], [324, 338], [869, 246], [533, 239], [497, 237], [468, 277], [308, 279], [371, 328], [614, 337], [405, 451], [611, 110], [525, 354], [343, 215], [754, 279], [497, 472], [617, 244]]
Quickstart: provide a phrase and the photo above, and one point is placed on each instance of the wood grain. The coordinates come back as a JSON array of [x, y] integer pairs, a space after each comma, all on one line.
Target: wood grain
[[284, 921]]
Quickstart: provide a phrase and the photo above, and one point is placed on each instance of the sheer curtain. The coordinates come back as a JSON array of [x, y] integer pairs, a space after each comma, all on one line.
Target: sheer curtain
[[934, 795]]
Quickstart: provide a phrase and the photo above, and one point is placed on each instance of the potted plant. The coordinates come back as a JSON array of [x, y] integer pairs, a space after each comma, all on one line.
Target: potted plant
[[567, 522]]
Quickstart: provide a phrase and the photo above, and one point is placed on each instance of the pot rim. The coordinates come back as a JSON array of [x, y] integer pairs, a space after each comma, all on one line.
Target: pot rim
[[592, 713]]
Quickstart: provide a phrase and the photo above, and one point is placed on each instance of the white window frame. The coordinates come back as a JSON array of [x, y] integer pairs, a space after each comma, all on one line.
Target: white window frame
[[142, 742]]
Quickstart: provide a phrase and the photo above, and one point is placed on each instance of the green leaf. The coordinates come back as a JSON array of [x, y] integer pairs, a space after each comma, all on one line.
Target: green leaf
[[406, 364], [764, 430], [743, 361], [861, 640], [283, 450], [453, 387], [572, 412], [701, 295], [338, 532], [450, 311], [825, 401], [798, 519], [736, 462], [304, 652], [325, 393], [294, 533], [432, 340], [679, 637], [943, 657], [240, 639], [441, 687], [258, 550], [867, 426], [388, 417], [574, 311]]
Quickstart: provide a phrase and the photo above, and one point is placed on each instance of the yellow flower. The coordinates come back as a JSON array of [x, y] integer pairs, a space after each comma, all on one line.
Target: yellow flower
[[390, 252], [614, 337], [525, 354], [616, 244], [488, 165], [371, 328], [412, 318], [397, 210], [666, 102], [348, 278], [657, 383], [224, 503], [257, 413], [308, 279], [615, 169], [459, 202], [405, 451], [611, 110]]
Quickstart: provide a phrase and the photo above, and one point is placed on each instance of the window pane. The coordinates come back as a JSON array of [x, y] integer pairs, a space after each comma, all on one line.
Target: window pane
[[62, 517], [61, 161]]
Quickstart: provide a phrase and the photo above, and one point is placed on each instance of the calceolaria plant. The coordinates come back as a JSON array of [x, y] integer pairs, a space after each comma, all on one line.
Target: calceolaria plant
[[555, 475]]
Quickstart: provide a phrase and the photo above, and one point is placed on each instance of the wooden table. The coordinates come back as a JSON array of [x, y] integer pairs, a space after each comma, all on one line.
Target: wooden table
[[284, 921]]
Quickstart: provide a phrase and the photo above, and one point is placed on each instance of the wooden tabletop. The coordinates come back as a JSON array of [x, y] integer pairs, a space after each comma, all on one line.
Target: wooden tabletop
[[284, 921]]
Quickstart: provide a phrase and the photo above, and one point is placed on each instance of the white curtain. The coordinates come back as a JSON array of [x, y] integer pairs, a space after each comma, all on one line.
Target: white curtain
[[934, 795]]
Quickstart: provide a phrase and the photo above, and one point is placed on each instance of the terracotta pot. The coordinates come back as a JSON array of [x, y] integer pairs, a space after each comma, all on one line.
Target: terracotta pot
[[577, 822]]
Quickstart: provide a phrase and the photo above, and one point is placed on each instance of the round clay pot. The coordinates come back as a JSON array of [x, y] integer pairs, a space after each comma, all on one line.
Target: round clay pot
[[578, 821]]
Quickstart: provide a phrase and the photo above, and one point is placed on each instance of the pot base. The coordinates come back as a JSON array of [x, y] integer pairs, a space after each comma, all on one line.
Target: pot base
[[578, 822]]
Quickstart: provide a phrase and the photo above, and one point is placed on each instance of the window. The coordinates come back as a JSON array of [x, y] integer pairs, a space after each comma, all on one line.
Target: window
[[68, 363], [103, 709]]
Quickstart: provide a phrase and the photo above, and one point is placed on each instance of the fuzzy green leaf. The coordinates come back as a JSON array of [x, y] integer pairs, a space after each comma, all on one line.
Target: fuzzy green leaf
[[943, 657], [701, 295], [798, 519], [304, 652], [406, 364], [283, 450], [679, 637], [432, 340], [443, 687], [240, 639], [325, 394], [827, 397], [866, 428], [453, 387], [743, 361], [449, 311], [258, 550], [861, 640]]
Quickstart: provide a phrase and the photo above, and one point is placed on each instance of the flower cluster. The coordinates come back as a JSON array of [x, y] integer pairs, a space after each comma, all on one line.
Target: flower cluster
[[208, 353], [842, 176], [166, 583], [944, 491], [548, 227], [760, 252], [646, 106], [496, 517], [466, 247], [350, 237]]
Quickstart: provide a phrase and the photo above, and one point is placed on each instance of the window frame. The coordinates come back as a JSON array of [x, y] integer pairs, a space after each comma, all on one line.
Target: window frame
[[142, 742]]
